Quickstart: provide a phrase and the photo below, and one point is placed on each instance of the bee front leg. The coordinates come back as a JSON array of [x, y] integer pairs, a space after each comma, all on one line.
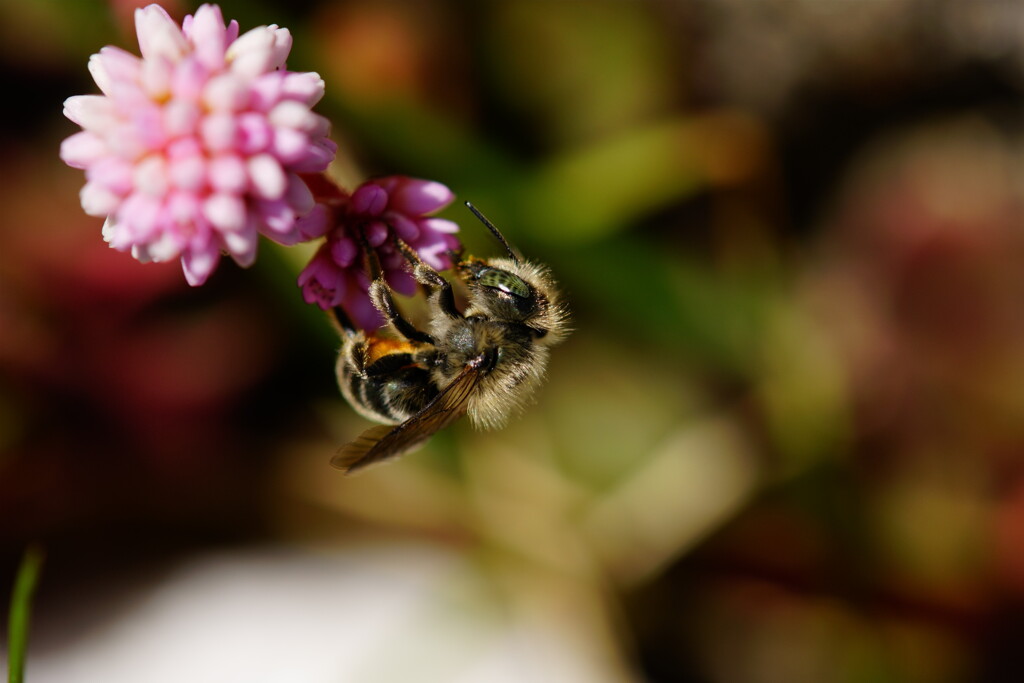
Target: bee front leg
[[383, 301], [339, 318], [380, 296], [431, 279]]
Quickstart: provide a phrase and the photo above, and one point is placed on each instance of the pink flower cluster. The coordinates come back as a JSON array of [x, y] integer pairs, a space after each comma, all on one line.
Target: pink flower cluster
[[206, 142], [378, 212], [196, 148]]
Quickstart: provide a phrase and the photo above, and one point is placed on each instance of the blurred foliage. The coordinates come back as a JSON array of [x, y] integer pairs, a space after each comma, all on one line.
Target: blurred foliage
[[784, 442]]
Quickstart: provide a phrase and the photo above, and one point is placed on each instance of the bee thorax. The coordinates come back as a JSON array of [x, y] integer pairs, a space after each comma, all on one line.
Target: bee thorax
[[510, 363]]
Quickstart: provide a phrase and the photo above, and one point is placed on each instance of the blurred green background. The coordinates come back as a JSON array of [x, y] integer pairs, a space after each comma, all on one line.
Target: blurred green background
[[785, 442]]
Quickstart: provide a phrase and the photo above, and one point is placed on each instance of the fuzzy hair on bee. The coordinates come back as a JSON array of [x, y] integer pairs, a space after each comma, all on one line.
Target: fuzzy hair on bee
[[485, 362], [521, 326]]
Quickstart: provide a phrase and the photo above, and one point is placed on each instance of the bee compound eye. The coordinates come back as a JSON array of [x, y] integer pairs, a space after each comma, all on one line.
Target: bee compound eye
[[504, 281]]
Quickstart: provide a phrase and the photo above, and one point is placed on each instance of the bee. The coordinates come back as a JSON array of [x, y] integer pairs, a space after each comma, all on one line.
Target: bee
[[485, 362]]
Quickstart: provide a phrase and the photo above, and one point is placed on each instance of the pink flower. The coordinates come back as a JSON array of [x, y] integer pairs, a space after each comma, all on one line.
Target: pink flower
[[327, 285], [195, 148], [377, 213]]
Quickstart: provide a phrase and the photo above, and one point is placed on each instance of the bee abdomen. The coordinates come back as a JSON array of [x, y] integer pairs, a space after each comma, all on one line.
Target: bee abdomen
[[390, 390]]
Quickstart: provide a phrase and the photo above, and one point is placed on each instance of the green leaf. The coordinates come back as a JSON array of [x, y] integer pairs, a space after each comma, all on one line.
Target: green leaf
[[666, 299]]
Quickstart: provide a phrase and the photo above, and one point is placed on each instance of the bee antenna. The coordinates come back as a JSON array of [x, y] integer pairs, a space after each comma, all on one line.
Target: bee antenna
[[497, 233]]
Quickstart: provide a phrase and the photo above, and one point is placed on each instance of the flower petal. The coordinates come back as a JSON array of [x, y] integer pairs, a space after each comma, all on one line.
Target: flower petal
[[98, 200], [281, 46], [417, 197], [435, 254], [254, 133], [225, 211], [181, 118], [183, 210], [242, 245], [208, 35], [198, 262], [267, 90], [294, 114], [159, 36], [226, 92], [376, 233], [188, 172], [228, 174], [166, 246], [315, 157], [439, 225], [219, 132], [315, 223], [116, 234], [401, 281], [290, 146], [298, 195], [253, 53], [92, 112], [113, 173], [343, 251], [306, 87], [155, 78], [267, 177], [359, 308], [277, 216], [403, 227], [139, 214], [82, 149], [189, 80], [322, 282], [112, 65], [369, 200], [151, 176]]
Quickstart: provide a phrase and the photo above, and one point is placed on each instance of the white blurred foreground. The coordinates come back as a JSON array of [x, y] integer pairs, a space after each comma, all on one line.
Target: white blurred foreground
[[378, 614]]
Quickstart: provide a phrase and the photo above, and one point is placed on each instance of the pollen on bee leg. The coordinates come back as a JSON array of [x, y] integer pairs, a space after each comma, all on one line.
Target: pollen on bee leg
[[380, 296]]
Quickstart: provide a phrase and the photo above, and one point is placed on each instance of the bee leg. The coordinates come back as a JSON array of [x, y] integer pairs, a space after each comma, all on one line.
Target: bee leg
[[380, 296], [430, 278], [339, 318], [455, 255]]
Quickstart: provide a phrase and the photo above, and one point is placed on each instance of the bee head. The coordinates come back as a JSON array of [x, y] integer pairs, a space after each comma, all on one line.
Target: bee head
[[514, 290], [497, 292]]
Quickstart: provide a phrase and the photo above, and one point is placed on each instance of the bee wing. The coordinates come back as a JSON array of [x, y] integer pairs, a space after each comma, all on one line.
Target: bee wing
[[386, 441]]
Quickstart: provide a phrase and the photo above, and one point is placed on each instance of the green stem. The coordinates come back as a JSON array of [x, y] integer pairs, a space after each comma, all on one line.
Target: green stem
[[21, 604]]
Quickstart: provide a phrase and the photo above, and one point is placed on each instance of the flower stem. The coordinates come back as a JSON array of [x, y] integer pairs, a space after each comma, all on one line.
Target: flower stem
[[19, 617]]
